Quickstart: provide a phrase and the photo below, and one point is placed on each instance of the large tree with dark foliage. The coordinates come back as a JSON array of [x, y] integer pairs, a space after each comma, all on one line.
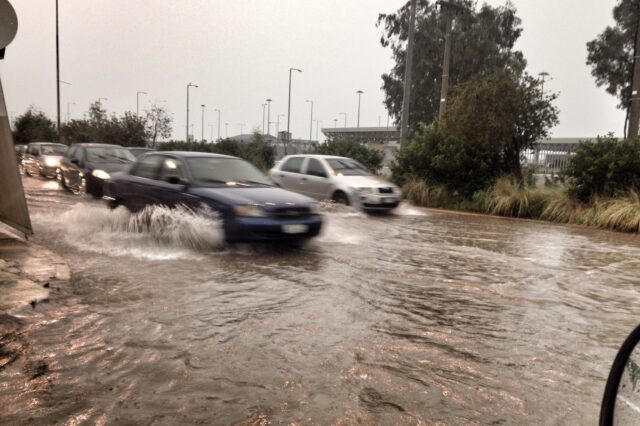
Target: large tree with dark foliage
[[33, 126], [611, 53], [482, 40]]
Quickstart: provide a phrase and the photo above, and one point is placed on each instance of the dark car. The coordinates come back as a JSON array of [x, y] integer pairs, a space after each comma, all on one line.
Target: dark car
[[20, 151], [250, 207], [85, 166], [137, 152], [42, 158]]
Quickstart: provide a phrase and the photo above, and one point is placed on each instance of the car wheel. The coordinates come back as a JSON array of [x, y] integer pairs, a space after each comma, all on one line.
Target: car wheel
[[341, 198]]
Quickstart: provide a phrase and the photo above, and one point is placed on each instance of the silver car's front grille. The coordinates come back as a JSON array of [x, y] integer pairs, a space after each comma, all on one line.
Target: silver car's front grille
[[387, 190]]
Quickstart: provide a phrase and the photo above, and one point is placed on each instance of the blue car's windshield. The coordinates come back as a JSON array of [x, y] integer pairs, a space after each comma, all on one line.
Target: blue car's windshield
[[109, 155], [220, 171]]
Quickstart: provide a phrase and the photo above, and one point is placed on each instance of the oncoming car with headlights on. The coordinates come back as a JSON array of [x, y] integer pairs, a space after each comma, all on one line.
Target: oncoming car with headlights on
[[340, 179], [42, 158], [86, 166], [250, 207]]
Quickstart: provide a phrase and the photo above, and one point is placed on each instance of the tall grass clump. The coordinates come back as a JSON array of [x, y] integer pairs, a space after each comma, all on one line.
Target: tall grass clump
[[620, 214], [421, 194]]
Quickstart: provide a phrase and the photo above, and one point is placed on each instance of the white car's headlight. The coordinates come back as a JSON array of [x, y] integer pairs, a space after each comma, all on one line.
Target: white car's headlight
[[366, 190], [100, 174], [249, 211], [51, 162]]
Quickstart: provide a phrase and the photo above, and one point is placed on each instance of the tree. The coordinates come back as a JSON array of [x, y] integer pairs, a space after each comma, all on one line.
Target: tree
[[482, 40], [503, 111], [605, 167], [489, 122], [158, 124], [33, 125], [371, 158], [611, 53]]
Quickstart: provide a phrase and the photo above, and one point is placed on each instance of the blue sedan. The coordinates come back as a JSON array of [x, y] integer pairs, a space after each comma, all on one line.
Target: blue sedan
[[250, 206]]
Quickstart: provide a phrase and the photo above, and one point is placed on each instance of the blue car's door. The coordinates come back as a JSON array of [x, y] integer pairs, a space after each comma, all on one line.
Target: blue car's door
[[141, 187], [173, 185]]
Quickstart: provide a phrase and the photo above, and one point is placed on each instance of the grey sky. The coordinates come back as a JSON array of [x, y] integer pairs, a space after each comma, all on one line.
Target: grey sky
[[239, 53]]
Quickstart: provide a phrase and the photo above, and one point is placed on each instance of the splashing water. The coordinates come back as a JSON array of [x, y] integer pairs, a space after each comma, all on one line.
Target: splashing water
[[155, 233]]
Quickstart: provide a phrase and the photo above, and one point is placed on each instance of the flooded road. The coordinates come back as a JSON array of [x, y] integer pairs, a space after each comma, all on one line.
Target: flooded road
[[416, 318]]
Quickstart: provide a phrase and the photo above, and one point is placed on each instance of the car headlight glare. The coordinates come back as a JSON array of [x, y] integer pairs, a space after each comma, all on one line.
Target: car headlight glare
[[100, 174], [249, 211], [51, 162]]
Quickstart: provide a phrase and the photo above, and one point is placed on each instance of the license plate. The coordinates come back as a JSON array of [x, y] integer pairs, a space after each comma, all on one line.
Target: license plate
[[389, 200], [295, 229]]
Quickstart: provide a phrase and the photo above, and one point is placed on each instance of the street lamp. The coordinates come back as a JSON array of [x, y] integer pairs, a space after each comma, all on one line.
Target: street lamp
[[188, 86], [218, 111], [263, 111], [359, 92], [268, 116], [138, 102], [345, 118], [211, 127], [335, 123], [310, 122], [68, 113], [278, 124], [289, 111], [203, 106], [226, 130], [318, 122]]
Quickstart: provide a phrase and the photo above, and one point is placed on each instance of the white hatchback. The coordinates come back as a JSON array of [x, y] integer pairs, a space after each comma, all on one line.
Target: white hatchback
[[340, 179]]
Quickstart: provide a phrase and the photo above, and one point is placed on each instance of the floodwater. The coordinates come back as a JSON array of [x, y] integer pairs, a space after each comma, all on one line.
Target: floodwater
[[415, 318]]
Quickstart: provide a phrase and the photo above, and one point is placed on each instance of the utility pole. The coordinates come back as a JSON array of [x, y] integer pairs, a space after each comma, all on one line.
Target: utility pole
[[268, 116], [359, 92], [406, 96], [58, 69], [203, 106], [634, 115], [286, 145], [218, 111], [263, 112], [345, 119], [448, 8], [188, 86], [311, 122], [138, 102]]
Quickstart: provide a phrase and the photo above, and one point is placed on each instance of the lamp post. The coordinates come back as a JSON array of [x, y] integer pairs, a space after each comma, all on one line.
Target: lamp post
[[268, 116], [68, 113], [218, 111], [335, 123], [318, 122], [203, 106], [226, 130], [188, 86], [289, 111], [311, 121], [359, 92], [345, 118], [138, 102], [263, 112], [211, 127], [278, 124]]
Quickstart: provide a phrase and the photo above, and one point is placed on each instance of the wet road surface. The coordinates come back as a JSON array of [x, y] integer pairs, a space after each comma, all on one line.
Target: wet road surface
[[415, 318]]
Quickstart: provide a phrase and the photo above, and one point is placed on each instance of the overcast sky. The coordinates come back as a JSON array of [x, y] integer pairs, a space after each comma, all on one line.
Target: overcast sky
[[239, 51]]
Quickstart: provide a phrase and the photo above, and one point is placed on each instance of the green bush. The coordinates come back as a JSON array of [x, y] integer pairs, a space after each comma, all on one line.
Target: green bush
[[607, 167], [33, 126], [370, 158]]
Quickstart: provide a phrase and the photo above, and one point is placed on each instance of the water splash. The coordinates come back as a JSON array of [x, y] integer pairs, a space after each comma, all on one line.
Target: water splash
[[155, 233], [406, 209]]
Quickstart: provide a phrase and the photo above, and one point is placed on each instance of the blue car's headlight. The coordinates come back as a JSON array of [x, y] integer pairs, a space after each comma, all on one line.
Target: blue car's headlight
[[249, 211], [100, 174]]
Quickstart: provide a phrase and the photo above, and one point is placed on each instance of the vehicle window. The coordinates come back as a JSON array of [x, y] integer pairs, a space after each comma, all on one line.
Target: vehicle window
[[32, 149], [171, 167], [147, 167], [219, 171], [77, 155], [315, 168], [108, 154], [293, 165], [71, 151], [53, 149], [347, 167]]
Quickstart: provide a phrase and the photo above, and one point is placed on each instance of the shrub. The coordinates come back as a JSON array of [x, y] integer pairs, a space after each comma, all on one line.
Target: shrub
[[32, 126], [370, 158], [605, 168]]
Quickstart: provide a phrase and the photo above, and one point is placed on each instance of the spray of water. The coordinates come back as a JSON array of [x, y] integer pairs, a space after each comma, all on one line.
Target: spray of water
[[156, 232]]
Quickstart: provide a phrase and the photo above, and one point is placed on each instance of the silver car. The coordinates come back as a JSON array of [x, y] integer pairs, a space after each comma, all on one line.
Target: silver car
[[340, 179], [43, 158]]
